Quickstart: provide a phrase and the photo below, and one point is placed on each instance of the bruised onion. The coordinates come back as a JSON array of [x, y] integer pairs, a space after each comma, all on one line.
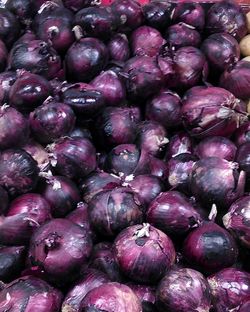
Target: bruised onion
[[18, 171], [183, 289], [179, 143], [153, 253], [85, 59], [38, 152], [118, 47], [113, 210], [51, 121], [229, 288], [60, 248], [147, 296], [7, 79], [172, 213], [73, 157], [157, 14], [242, 134], [10, 27], [217, 181], [25, 214]]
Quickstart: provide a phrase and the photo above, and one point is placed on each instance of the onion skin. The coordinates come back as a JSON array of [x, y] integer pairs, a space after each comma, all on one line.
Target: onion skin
[[229, 288], [147, 296], [242, 134], [210, 248], [10, 27], [30, 294], [179, 143], [243, 158], [118, 47], [157, 14], [175, 293], [144, 253], [172, 213], [38, 153], [18, 171], [111, 297], [113, 210]]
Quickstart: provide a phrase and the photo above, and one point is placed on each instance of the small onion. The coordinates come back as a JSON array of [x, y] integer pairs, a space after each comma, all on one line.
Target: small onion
[[157, 14], [242, 134], [147, 296], [182, 290], [179, 143], [10, 27], [118, 47], [153, 253]]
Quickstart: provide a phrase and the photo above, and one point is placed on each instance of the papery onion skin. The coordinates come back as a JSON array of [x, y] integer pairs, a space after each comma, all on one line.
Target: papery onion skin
[[38, 152], [243, 158], [175, 293], [118, 47], [242, 134], [229, 288], [30, 294], [173, 213], [153, 253], [179, 143], [157, 14], [10, 27]]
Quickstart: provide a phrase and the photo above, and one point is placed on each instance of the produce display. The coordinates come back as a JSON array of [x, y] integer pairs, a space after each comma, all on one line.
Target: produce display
[[124, 156]]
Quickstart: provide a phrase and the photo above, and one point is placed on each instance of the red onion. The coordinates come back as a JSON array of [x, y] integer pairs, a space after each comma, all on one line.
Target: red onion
[[29, 91], [118, 47], [242, 134], [127, 159], [23, 9], [245, 307], [73, 157], [25, 214], [51, 121], [7, 78], [90, 280], [80, 132], [112, 88], [35, 56], [221, 50], [172, 213], [61, 193], [158, 168], [76, 5], [182, 35], [230, 288], [179, 143], [144, 253], [60, 248], [85, 59], [190, 13], [226, 16], [147, 296], [10, 27], [26, 37], [151, 137], [157, 14], [165, 108], [3, 56], [209, 111], [38, 153], [97, 182], [243, 158], [18, 171], [183, 290], [11, 262], [30, 294], [4, 200], [113, 210], [217, 181]]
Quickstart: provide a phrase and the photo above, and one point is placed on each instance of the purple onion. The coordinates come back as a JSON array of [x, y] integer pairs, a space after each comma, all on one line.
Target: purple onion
[[129, 12], [14, 127], [10, 27], [29, 91], [217, 181], [245, 307], [151, 137], [143, 77], [230, 288], [7, 79], [147, 296], [216, 146], [242, 134], [11, 262], [61, 193], [37, 57], [144, 253], [18, 171], [113, 210], [158, 168], [82, 98], [243, 158], [81, 132], [179, 143], [97, 182], [182, 290], [236, 79], [221, 50], [90, 280], [111, 87], [73, 157], [51, 121], [146, 41], [172, 213], [127, 159], [38, 153], [30, 294], [76, 5], [60, 248], [226, 16], [25, 38], [165, 108], [190, 13], [157, 14], [103, 259], [182, 35], [25, 214], [4, 200], [22, 9], [85, 59], [118, 47], [210, 248], [3, 56], [111, 297], [209, 111]]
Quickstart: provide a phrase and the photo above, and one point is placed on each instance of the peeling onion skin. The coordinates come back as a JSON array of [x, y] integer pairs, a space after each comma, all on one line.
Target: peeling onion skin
[[229, 288], [179, 143], [144, 253], [183, 290]]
